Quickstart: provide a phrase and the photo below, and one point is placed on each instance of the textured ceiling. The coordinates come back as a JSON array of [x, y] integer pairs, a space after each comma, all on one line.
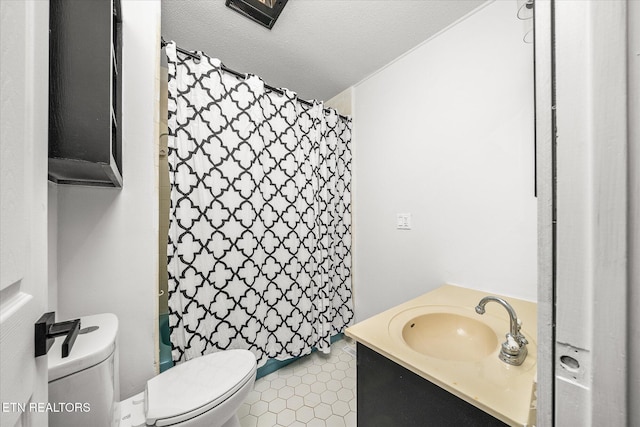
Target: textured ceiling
[[317, 48]]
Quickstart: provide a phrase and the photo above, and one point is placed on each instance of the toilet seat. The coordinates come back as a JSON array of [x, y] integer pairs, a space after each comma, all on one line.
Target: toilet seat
[[197, 386]]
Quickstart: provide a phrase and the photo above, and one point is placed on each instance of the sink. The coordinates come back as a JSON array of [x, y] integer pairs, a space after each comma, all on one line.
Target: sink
[[440, 337], [450, 336]]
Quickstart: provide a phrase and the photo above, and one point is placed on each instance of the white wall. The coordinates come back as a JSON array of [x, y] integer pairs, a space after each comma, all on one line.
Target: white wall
[[107, 244], [445, 133], [342, 102]]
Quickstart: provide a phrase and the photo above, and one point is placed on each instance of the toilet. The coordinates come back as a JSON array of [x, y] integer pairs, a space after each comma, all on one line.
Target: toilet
[[203, 392]]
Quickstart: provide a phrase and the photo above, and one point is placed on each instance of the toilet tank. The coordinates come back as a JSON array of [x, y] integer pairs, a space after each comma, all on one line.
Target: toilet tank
[[83, 387]]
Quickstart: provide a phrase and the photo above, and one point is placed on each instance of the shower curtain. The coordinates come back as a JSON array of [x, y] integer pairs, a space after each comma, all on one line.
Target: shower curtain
[[259, 251]]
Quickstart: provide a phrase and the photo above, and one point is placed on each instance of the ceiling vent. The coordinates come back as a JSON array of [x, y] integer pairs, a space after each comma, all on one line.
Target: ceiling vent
[[264, 12]]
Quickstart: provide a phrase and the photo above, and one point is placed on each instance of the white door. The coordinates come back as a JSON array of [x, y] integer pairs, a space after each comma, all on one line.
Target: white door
[[24, 65]]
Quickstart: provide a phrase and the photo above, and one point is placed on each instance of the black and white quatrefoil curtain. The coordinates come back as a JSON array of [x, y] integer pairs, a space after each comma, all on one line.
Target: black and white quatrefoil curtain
[[259, 253]]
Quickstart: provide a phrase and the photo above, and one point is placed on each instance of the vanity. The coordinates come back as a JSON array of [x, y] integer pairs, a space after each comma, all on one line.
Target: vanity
[[436, 361]]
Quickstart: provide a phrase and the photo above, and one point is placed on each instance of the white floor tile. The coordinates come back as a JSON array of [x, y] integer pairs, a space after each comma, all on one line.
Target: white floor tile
[[317, 390]]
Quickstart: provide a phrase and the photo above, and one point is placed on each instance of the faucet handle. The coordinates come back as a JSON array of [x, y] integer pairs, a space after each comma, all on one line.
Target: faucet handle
[[522, 340], [520, 337], [511, 346]]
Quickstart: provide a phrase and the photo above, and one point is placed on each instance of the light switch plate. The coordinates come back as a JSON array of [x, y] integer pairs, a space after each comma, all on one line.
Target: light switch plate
[[403, 221]]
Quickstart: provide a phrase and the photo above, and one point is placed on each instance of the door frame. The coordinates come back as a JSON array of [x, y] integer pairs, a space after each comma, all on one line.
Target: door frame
[[584, 212], [545, 177]]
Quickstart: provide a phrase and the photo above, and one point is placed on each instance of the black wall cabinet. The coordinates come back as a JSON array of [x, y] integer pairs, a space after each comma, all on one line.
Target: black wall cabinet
[[85, 115]]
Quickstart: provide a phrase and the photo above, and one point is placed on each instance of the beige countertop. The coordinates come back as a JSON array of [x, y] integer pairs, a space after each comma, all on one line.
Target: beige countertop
[[502, 390]]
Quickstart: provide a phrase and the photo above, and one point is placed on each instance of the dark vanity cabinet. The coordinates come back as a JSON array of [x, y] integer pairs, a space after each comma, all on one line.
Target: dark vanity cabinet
[[390, 395], [85, 85]]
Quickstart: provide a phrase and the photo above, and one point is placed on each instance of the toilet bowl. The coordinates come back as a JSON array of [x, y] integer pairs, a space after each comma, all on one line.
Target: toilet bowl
[[205, 391]]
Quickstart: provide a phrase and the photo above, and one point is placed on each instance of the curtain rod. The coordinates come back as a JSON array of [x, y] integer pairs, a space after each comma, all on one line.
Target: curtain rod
[[224, 68]]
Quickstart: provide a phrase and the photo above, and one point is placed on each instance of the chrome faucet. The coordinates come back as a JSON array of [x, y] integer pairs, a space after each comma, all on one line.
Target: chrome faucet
[[514, 349]]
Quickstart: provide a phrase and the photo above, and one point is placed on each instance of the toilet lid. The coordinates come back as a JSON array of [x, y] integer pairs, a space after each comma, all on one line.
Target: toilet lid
[[196, 386]]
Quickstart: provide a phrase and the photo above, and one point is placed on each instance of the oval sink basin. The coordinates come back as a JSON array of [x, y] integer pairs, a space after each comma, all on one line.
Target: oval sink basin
[[450, 336]]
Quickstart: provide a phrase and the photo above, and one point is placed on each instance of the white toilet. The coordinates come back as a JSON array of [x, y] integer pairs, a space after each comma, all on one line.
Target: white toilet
[[206, 391]]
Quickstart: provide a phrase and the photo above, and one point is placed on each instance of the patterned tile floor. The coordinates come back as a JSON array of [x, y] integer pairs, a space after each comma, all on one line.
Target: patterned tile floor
[[318, 390]]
